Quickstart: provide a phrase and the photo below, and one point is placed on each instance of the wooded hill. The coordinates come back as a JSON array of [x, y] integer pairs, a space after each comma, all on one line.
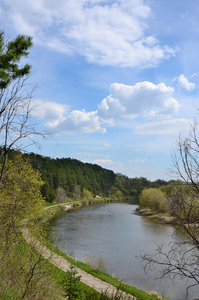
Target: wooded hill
[[67, 177]]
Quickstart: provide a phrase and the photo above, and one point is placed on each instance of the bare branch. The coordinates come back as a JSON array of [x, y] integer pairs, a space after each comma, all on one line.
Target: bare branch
[[15, 120]]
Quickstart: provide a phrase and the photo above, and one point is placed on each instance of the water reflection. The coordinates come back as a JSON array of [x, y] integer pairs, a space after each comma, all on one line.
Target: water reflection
[[114, 232]]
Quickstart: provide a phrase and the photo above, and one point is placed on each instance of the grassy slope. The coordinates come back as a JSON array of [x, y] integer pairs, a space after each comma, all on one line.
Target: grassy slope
[[53, 276]]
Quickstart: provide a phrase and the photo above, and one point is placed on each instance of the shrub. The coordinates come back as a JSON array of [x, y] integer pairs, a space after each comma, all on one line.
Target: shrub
[[86, 195], [154, 199]]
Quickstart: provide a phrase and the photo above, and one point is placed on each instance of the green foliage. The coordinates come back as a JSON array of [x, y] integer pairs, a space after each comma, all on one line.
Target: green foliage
[[10, 55], [20, 195], [71, 285], [73, 288], [120, 184], [71, 175], [27, 274], [135, 186], [116, 194], [154, 199], [21, 203], [183, 201], [178, 187], [74, 177], [86, 195]]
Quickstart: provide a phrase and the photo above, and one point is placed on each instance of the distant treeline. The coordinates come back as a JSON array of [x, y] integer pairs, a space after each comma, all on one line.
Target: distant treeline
[[72, 175], [69, 177]]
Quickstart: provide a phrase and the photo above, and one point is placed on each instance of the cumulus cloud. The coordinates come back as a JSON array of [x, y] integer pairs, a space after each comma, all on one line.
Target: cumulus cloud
[[51, 112], [144, 98], [184, 83], [165, 127], [58, 119], [125, 102], [80, 121], [90, 28]]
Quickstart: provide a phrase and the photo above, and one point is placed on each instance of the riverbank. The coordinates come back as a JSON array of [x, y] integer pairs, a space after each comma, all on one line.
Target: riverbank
[[54, 208], [164, 218]]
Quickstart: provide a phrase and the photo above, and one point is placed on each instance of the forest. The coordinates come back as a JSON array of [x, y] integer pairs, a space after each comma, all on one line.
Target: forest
[[68, 177]]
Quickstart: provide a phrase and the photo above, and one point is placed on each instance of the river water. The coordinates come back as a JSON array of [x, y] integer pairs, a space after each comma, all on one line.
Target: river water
[[118, 235]]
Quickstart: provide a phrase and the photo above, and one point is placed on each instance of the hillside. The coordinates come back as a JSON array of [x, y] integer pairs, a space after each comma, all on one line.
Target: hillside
[[72, 176], [67, 177]]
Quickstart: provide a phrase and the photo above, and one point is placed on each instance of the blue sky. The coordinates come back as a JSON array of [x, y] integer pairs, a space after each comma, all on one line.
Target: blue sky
[[116, 81]]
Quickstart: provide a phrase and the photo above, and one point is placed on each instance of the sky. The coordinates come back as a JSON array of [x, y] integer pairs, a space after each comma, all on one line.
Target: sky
[[115, 81]]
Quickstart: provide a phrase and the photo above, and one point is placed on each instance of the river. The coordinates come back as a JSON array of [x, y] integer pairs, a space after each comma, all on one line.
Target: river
[[118, 235]]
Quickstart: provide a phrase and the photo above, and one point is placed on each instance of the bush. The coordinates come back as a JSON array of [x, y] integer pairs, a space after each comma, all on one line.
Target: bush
[[86, 195], [154, 199]]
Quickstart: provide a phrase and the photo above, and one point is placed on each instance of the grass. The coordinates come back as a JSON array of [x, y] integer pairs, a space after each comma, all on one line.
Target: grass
[[49, 277], [48, 204], [59, 276], [7, 293]]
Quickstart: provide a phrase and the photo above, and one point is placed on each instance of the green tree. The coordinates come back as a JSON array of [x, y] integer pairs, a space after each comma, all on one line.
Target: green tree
[[154, 199], [87, 195], [116, 194], [10, 56], [71, 284], [20, 198], [77, 192], [21, 203], [119, 183]]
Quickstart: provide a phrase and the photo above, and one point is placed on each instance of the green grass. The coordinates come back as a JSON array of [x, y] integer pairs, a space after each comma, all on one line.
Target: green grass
[[52, 275], [48, 204], [59, 275], [7, 293]]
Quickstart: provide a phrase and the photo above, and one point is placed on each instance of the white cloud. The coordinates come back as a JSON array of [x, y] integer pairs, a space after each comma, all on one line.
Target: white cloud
[[56, 120], [125, 102], [144, 98], [137, 160], [80, 121], [107, 163], [51, 112], [196, 74], [184, 84], [165, 127], [105, 33]]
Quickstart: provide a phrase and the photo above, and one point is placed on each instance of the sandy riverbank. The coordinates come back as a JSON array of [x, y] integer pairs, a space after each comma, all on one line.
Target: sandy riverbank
[[154, 215]]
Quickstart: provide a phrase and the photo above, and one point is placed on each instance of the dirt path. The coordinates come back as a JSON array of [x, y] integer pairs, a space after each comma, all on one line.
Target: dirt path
[[63, 264]]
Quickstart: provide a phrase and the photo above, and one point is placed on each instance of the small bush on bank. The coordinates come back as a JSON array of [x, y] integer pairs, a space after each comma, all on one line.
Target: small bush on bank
[[86, 195], [154, 199]]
